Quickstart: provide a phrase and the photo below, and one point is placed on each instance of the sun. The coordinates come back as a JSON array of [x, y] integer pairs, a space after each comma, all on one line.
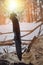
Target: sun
[[12, 5]]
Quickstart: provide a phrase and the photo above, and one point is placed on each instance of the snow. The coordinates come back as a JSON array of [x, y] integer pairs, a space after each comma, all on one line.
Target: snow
[[23, 26]]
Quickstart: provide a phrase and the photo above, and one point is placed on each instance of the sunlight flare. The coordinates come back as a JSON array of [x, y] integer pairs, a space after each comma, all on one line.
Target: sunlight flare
[[14, 5]]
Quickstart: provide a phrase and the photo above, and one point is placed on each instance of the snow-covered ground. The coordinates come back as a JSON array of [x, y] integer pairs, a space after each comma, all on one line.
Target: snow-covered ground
[[23, 26]]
